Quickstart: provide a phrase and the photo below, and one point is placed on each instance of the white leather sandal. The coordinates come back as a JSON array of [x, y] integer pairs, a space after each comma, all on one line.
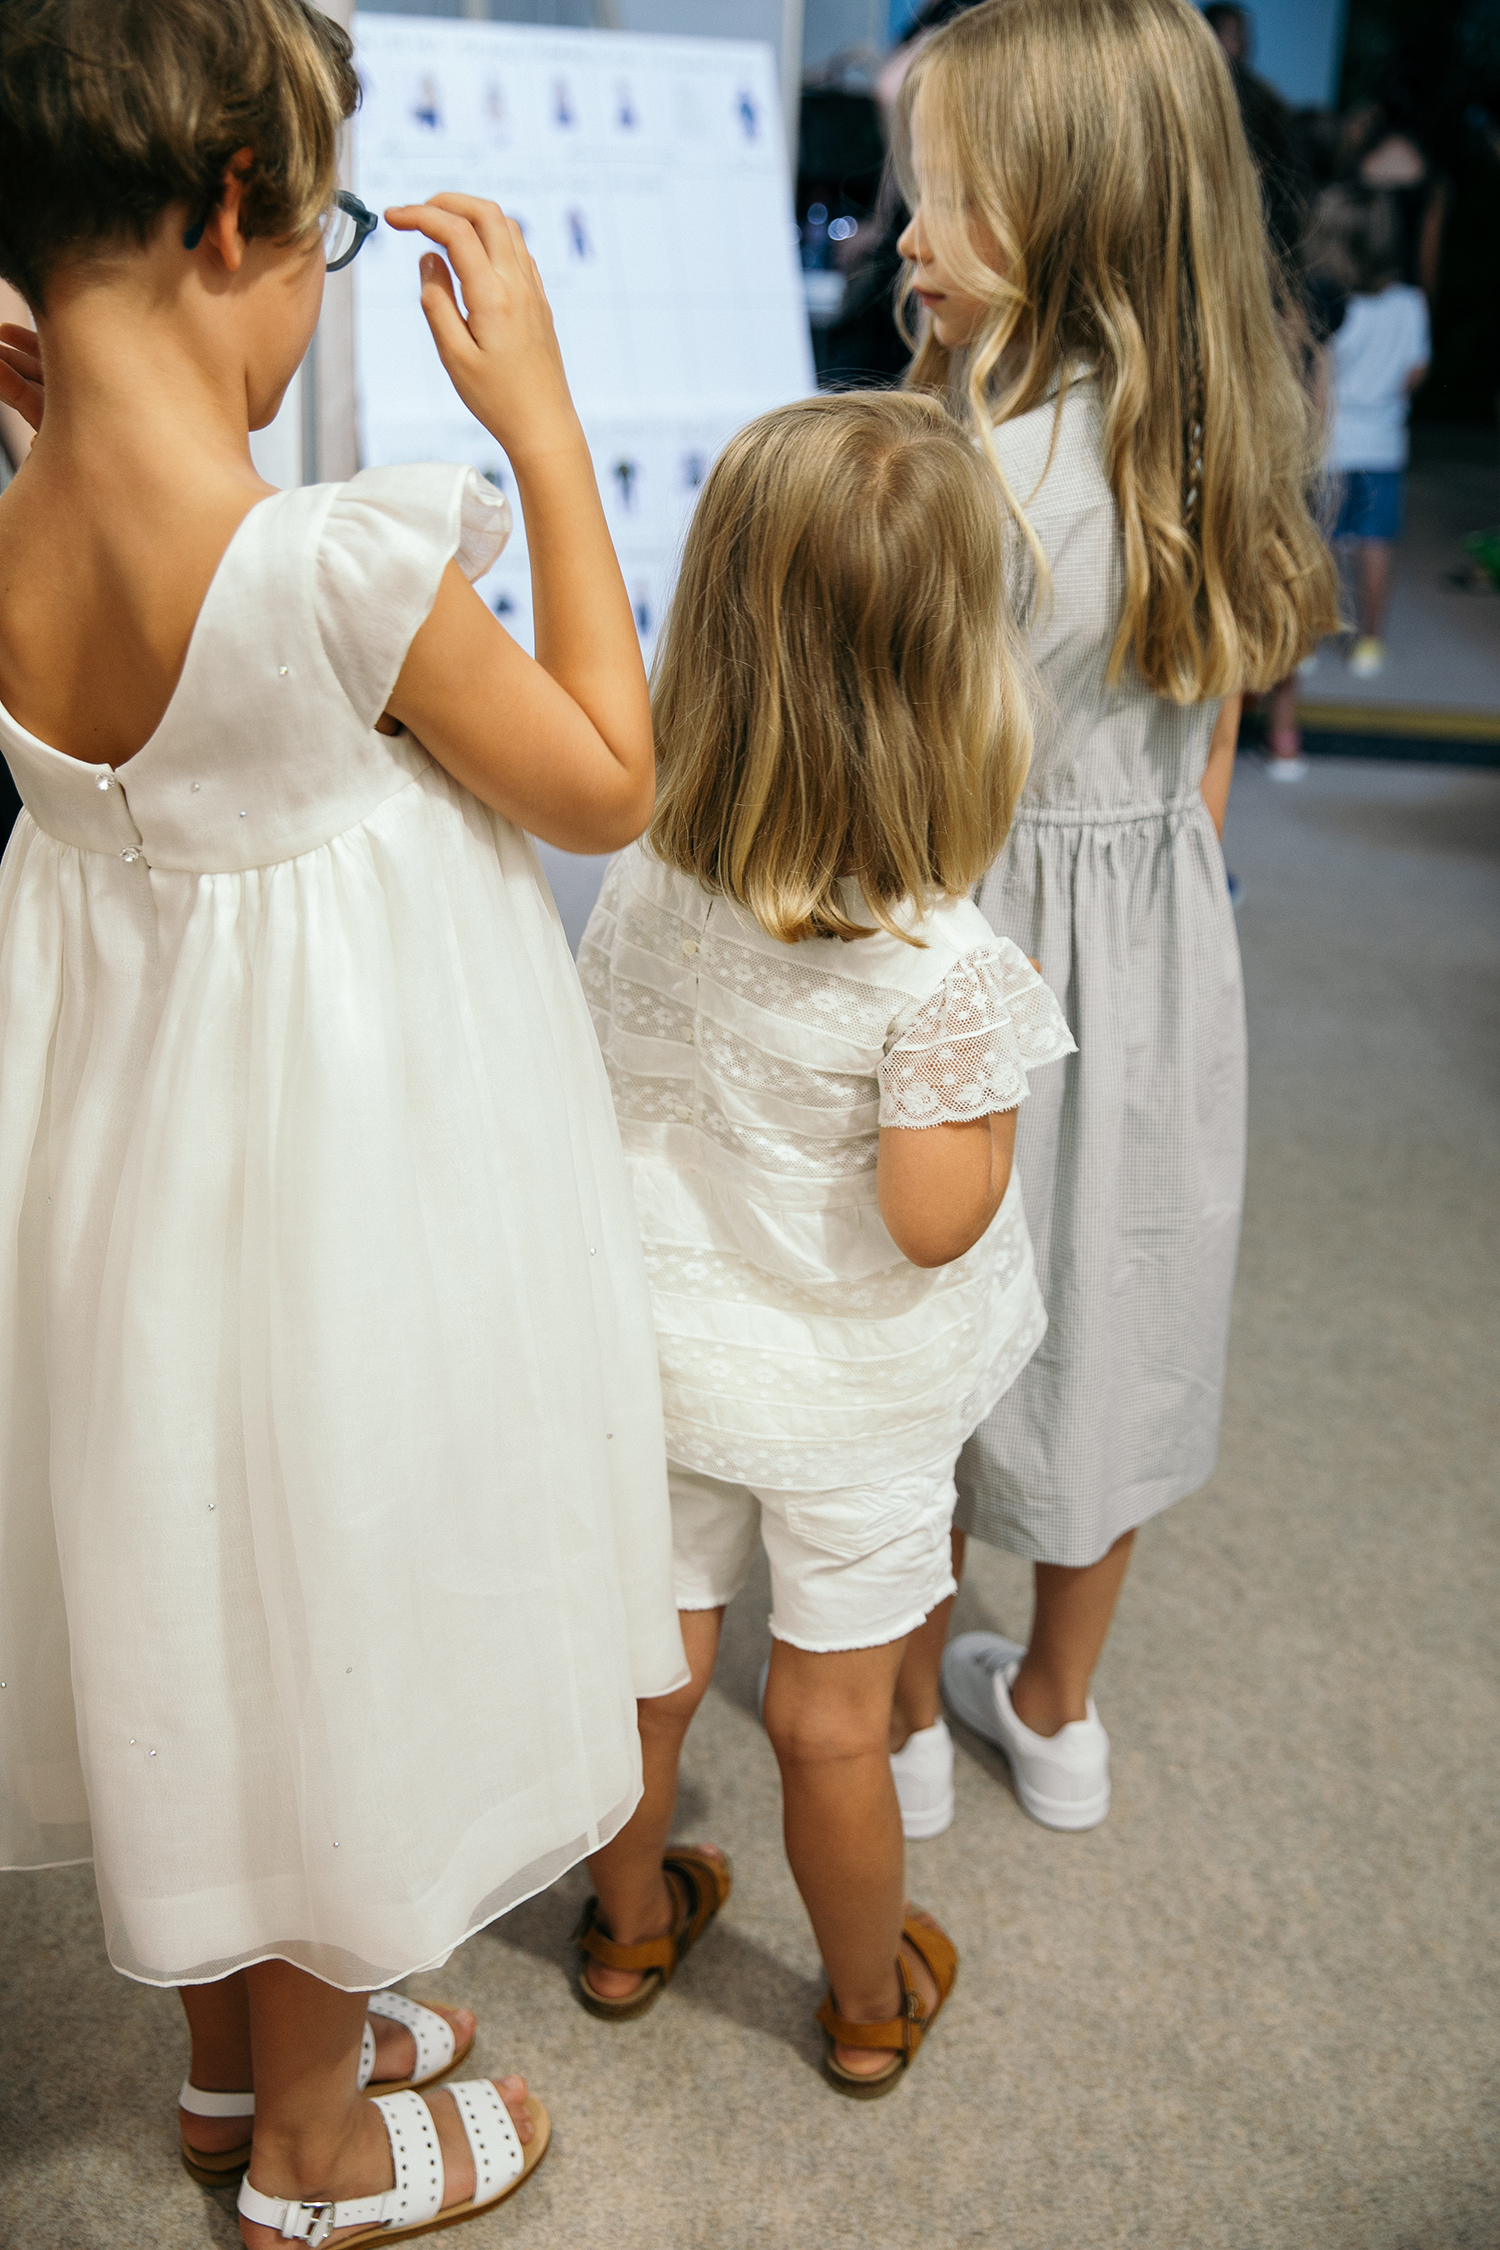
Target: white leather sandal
[[415, 2204], [438, 2052]]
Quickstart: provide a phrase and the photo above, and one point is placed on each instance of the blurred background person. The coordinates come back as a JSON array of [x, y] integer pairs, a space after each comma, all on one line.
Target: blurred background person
[[1380, 355]]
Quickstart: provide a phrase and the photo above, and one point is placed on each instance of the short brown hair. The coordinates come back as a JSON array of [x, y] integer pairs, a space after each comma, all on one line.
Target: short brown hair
[[112, 110], [839, 689]]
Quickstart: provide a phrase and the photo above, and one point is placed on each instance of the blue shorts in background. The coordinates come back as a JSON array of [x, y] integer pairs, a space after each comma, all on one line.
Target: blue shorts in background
[[1371, 503]]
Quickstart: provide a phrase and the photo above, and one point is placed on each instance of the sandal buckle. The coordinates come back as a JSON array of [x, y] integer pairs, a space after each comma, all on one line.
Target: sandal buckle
[[321, 2215]]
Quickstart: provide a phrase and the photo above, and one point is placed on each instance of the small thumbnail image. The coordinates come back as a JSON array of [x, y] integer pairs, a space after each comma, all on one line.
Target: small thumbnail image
[[747, 110], [507, 592], [494, 473], [427, 108], [576, 228], [564, 111], [627, 116], [694, 468], [626, 472], [643, 602], [495, 107]]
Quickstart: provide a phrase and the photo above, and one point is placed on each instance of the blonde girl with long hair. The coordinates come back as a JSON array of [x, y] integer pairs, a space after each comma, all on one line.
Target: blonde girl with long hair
[[817, 1046], [1090, 271]]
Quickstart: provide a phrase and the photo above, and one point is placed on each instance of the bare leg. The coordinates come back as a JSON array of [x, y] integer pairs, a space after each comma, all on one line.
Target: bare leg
[[1374, 586], [1283, 735], [219, 2023], [314, 2135], [633, 1894], [829, 1719], [918, 1703], [1069, 1626]]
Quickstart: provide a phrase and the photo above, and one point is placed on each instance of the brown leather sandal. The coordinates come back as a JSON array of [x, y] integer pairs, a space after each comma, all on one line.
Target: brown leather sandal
[[904, 2033], [699, 1885]]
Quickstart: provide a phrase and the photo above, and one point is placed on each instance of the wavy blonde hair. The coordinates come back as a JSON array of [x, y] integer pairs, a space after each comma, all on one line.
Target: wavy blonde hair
[[839, 690], [1081, 168]]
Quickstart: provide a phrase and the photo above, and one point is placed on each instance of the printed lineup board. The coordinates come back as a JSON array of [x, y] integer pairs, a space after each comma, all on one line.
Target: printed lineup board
[[650, 177]]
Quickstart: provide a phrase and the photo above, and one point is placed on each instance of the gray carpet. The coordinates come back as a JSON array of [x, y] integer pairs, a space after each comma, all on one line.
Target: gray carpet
[[1257, 2009]]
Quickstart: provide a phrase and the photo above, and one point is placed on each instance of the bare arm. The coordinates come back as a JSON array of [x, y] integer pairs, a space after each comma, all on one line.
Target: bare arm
[[941, 1185], [1219, 772], [561, 745]]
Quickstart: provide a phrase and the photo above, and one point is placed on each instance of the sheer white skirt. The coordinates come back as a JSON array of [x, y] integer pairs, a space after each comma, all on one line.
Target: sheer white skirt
[[334, 1546]]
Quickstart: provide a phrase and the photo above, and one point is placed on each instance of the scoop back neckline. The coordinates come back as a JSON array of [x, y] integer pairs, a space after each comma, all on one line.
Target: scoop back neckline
[[96, 765]]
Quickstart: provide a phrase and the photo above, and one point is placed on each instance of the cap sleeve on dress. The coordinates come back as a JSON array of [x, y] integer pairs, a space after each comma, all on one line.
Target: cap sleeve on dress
[[967, 1048], [387, 539]]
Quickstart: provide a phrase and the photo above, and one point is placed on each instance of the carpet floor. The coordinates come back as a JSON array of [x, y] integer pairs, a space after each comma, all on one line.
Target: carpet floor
[[1257, 2009]]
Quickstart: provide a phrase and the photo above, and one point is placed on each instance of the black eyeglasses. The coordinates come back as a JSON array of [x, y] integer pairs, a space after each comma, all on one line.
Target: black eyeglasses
[[346, 227]]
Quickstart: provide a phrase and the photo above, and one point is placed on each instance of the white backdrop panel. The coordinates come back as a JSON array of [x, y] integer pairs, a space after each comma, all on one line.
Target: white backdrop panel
[[650, 177]]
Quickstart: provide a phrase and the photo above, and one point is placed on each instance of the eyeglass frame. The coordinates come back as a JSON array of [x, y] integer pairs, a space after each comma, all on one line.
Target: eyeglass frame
[[365, 223]]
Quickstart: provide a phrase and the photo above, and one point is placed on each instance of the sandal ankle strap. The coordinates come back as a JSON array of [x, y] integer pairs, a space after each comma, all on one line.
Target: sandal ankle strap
[[659, 1953], [901, 2035], [199, 2102]]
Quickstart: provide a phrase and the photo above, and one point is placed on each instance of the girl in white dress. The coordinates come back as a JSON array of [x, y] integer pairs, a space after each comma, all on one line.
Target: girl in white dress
[[1089, 250], [817, 1047], [334, 1549]]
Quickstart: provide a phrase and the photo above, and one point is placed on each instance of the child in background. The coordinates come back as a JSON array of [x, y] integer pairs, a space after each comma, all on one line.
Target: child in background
[[1380, 354], [333, 1527], [817, 1047], [1088, 245]]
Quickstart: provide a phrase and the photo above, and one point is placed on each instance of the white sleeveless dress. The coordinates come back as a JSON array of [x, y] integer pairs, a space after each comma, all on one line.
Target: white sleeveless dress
[[334, 1544]]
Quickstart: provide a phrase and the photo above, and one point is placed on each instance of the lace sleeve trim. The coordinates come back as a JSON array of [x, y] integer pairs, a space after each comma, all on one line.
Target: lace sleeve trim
[[966, 1051]]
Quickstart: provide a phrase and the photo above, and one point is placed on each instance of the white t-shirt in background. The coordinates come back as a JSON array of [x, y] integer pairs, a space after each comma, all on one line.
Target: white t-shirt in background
[[1383, 338]]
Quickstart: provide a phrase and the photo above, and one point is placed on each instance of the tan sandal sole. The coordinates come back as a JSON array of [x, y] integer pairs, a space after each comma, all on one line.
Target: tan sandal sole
[[214, 2168]]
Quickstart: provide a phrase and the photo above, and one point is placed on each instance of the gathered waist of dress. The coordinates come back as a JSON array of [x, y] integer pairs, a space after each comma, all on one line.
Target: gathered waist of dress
[[1107, 816]]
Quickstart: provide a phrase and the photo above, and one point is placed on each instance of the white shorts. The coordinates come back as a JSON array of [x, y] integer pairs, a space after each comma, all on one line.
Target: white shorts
[[852, 1568]]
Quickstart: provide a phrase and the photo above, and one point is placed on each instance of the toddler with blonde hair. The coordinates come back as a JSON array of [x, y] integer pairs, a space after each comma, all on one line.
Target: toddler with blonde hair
[[817, 1047]]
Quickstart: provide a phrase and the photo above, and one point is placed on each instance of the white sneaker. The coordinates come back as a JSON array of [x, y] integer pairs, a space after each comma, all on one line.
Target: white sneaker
[[1061, 1779], [923, 1773], [922, 1770]]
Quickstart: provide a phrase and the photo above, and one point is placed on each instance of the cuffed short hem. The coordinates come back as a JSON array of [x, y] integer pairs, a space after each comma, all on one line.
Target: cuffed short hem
[[880, 1640], [858, 1567]]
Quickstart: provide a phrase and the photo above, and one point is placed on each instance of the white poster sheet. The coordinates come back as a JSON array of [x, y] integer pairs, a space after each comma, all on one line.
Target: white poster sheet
[[650, 178]]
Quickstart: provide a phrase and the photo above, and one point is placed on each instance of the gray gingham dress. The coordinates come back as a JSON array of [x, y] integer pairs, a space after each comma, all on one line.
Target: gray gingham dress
[[1132, 1154]]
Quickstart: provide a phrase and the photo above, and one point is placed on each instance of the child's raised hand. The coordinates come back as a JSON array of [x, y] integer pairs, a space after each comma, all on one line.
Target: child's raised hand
[[500, 348], [21, 383]]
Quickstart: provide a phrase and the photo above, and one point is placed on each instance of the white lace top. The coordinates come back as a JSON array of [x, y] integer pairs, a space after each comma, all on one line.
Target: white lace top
[[799, 1348]]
